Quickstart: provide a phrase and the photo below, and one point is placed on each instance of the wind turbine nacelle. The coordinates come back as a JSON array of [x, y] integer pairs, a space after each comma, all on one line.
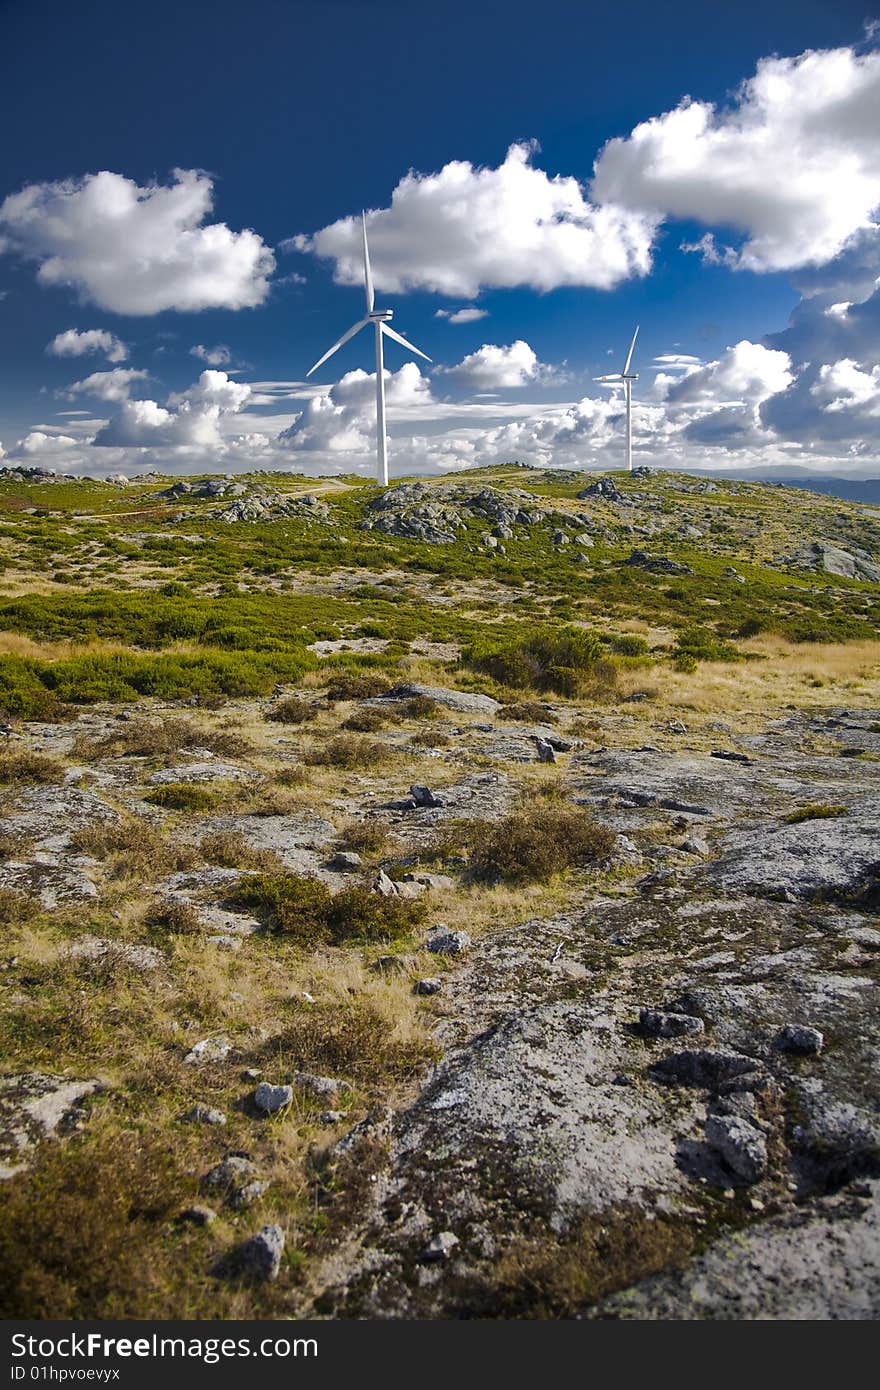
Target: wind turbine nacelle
[[381, 315]]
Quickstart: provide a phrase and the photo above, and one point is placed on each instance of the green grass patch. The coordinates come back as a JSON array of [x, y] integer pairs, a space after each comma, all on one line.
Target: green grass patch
[[816, 811]]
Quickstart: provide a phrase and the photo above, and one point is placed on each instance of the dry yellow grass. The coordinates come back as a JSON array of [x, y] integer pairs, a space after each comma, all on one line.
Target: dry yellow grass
[[811, 676]]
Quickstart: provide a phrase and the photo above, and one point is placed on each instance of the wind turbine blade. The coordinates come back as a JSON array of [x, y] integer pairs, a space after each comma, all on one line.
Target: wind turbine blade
[[629, 355], [356, 328], [368, 274], [611, 379], [399, 338]]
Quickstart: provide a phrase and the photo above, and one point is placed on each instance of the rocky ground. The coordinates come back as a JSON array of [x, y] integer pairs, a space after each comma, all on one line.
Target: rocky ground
[[656, 1098], [695, 1054]]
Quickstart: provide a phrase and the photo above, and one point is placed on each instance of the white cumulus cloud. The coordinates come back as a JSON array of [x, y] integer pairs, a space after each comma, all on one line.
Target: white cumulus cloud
[[792, 162], [114, 385], [191, 418], [74, 343], [38, 442], [491, 366], [469, 314], [746, 372], [218, 356], [137, 250], [844, 385], [343, 419], [467, 227]]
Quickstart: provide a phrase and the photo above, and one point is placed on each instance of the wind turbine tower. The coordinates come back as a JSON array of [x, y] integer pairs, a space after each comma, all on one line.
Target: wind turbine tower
[[626, 377], [379, 318]]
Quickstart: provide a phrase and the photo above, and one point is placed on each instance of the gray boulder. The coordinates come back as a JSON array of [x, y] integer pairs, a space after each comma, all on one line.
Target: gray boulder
[[795, 1037], [739, 1145], [260, 1256], [449, 943], [270, 1099], [463, 701]]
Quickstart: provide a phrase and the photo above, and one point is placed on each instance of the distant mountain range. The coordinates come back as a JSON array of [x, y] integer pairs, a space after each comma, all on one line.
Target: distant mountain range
[[850, 489]]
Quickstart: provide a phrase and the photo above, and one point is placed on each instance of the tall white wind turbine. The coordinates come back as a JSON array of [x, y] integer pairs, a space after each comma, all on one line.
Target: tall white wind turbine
[[379, 318], [627, 378]]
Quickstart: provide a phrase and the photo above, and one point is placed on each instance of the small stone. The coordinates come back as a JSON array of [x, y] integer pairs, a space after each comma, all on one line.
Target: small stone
[[545, 751], [332, 1117], [740, 1146], [199, 1216], [244, 1197], [385, 885], [229, 1171], [423, 796], [345, 860], [450, 943], [427, 880], [209, 1050], [695, 846], [252, 1073], [270, 1099], [410, 888], [202, 1114], [224, 943], [432, 985], [260, 1257], [799, 1039], [655, 1023], [318, 1085], [440, 1247]]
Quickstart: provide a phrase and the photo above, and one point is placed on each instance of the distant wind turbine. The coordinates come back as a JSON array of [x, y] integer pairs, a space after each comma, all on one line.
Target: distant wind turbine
[[627, 377], [379, 318]]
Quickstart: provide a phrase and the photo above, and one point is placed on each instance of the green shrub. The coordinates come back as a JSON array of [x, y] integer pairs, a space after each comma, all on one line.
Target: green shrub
[[27, 767], [419, 707], [34, 689], [702, 644], [428, 738], [292, 710], [536, 842], [356, 685], [172, 916], [626, 644], [347, 751], [527, 712], [559, 660], [359, 914], [147, 738], [81, 1236], [365, 721], [304, 908]]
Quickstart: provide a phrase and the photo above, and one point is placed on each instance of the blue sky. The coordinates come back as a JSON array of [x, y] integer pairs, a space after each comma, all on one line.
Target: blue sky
[[287, 118]]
